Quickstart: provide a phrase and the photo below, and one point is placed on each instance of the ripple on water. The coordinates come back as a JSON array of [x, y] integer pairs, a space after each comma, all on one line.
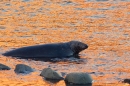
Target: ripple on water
[[2, 27], [26, 0], [66, 3]]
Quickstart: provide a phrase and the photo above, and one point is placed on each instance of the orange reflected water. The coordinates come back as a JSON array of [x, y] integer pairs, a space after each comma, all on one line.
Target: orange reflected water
[[103, 25]]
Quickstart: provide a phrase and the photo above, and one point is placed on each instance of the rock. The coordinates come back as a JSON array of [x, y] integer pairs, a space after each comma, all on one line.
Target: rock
[[4, 67], [126, 81], [48, 73], [22, 68], [78, 78]]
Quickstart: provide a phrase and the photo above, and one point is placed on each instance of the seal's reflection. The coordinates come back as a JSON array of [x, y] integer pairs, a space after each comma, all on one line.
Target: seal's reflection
[[53, 60]]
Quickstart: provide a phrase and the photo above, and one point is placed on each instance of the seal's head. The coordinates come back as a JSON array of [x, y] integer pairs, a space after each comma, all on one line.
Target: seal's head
[[77, 46]]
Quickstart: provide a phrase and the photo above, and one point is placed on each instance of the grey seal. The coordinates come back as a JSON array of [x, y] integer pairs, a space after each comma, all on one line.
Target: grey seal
[[47, 51]]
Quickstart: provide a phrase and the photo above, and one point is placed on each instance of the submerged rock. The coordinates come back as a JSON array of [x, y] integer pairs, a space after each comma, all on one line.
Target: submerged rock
[[4, 67], [22, 68], [78, 78], [48, 73]]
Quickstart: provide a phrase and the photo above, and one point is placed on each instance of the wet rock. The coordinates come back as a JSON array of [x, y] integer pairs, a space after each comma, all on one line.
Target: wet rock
[[126, 81], [4, 67], [78, 78], [48, 73], [22, 68]]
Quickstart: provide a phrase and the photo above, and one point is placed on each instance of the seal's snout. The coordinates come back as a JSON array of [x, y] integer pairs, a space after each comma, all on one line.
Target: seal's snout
[[86, 46], [77, 46]]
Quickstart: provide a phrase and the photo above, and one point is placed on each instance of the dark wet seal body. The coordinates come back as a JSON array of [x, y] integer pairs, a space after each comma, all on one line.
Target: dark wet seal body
[[54, 50]]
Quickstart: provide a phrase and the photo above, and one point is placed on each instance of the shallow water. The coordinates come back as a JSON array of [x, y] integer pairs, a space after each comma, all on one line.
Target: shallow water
[[102, 24]]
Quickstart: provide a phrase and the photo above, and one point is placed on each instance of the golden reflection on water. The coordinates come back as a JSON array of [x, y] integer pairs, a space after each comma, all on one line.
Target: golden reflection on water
[[103, 25]]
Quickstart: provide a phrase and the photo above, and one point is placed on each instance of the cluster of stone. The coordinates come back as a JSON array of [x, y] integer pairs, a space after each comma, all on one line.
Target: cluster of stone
[[50, 74], [71, 79]]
